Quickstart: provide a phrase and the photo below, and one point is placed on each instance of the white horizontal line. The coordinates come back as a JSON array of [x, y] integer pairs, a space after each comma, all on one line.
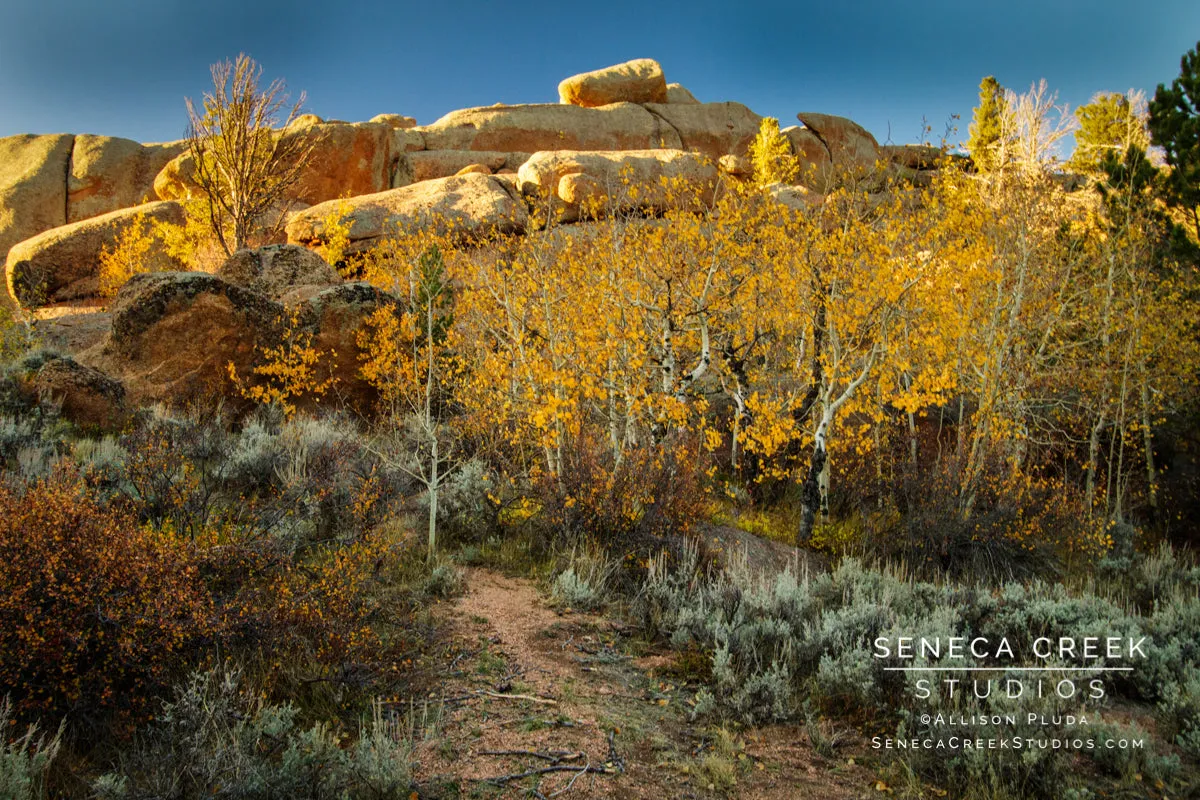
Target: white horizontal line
[[1008, 669]]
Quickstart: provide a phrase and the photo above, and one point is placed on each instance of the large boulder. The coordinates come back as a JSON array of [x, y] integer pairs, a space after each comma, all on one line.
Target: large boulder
[[177, 178], [276, 269], [109, 173], [851, 146], [348, 159], [797, 198], [176, 335], [736, 166], [407, 140], [816, 166], [344, 159], [84, 395], [637, 81], [714, 129], [73, 327], [549, 126], [395, 120], [431, 164], [64, 262], [664, 179], [677, 93], [181, 337], [335, 317], [468, 205], [33, 187], [913, 156]]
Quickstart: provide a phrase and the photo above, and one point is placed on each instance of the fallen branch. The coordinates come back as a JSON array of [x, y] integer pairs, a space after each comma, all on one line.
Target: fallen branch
[[556, 756], [544, 701], [529, 773], [613, 766]]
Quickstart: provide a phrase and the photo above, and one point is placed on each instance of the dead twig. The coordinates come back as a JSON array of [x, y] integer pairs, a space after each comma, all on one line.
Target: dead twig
[[554, 756], [542, 700], [501, 780]]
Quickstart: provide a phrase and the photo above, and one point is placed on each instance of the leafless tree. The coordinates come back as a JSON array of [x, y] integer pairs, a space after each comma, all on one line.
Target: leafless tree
[[1033, 127], [243, 164]]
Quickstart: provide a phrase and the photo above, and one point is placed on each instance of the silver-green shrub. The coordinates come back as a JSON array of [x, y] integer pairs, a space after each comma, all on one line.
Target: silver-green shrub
[[215, 740], [24, 761]]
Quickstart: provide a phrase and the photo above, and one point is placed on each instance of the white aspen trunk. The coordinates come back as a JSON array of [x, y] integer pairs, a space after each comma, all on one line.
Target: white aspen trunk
[[1089, 490], [912, 438], [1148, 446], [739, 410], [433, 494], [431, 429], [823, 488], [701, 366]]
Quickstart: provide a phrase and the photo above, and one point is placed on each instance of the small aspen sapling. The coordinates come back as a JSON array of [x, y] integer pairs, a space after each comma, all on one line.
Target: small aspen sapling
[[127, 256], [290, 370], [771, 155]]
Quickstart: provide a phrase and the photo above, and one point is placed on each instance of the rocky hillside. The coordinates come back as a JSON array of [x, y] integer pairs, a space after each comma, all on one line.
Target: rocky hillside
[[64, 198]]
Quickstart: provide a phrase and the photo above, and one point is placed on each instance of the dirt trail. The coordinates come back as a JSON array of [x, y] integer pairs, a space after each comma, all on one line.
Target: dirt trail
[[526, 687]]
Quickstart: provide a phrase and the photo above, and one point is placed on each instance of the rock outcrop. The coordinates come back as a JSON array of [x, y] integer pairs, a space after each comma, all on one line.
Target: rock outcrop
[[797, 198], [275, 270], [737, 166], [175, 334], [176, 180], [354, 159], [637, 81], [335, 316], [33, 185], [431, 164], [63, 263], [395, 121], [677, 93], [550, 126], [913, 156], [468, 205], [714, 129], [816, 166], [470, 160], [109, 173], [345, 158], [849, 144], [84, 395], [50, 181], [663, 179]]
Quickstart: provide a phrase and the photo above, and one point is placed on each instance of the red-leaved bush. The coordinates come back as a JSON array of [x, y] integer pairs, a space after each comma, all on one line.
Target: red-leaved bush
[[96, 610]]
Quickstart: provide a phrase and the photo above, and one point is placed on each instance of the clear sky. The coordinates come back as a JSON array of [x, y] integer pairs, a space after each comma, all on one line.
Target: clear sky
[[123, 67]]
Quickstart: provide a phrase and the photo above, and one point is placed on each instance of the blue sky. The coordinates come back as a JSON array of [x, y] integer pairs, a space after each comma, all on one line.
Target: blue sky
[[123, 67]]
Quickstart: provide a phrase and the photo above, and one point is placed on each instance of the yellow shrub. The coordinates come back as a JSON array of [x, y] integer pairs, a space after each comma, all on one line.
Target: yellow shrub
[[289, 370], [127, 256], [771, 155], [192, 243], [336, 227]]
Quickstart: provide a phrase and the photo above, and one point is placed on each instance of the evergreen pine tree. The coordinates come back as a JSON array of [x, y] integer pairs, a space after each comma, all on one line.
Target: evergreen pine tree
[[987, 125], [1108, 126], [1175, 127], [771, 155]]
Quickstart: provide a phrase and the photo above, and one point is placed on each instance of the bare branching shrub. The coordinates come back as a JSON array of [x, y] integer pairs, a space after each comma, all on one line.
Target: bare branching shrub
[[1033, 127], [242, 164]]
